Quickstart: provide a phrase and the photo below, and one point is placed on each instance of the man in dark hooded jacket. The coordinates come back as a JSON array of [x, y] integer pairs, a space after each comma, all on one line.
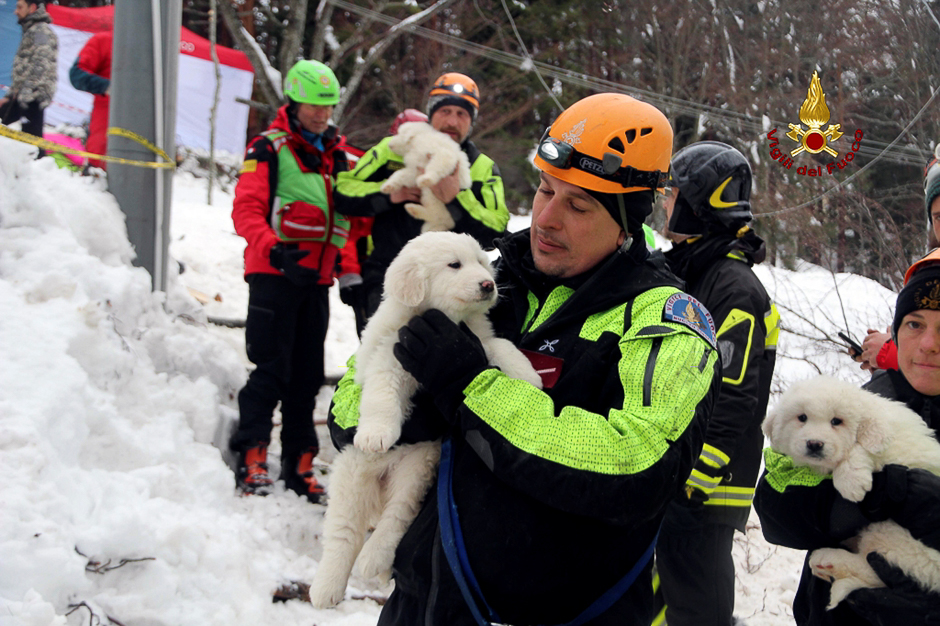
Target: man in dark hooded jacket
[[708, 212]]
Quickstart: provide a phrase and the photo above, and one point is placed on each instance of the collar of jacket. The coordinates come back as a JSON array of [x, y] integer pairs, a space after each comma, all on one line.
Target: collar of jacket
[[619, 278], [284, 122], [892, 384], [690, 259], [37, 16], [471, 149]]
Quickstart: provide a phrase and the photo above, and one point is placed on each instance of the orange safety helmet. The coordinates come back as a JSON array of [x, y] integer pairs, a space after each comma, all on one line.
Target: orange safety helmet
[[454, 88], [931, 258], [609, 143]]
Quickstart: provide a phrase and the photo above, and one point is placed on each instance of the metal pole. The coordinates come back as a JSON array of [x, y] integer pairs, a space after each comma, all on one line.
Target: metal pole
[[143, 101]]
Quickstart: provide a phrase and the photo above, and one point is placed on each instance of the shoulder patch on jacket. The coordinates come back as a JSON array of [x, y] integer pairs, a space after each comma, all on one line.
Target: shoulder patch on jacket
[[249, 166], [681, 308]]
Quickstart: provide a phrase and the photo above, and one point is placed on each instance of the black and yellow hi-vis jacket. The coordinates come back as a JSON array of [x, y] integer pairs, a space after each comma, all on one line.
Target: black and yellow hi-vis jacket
[[717, 271], [479, 211], [560, 491]]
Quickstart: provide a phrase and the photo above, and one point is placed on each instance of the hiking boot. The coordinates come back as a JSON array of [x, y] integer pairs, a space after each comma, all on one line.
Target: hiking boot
[[252, 475], [301, 480]]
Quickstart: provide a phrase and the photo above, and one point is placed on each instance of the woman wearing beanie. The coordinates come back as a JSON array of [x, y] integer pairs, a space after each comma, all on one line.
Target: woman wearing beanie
[[802, 512], [878, 351]]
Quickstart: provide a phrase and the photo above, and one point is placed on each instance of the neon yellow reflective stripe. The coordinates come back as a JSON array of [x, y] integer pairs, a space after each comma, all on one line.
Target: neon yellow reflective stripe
[[649, 237], [702, 481], [660, 619], [346, 398], [782, 473], [533, 309], [627, 440], [609, 321], [731, 496], [354, 183], [772, 324], [492, 212], [737, 255], [735, 317], [714, 457], [554, 300]]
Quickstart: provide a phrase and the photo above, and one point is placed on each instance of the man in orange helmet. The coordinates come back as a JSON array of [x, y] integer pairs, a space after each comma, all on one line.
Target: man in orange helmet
[[548, 502], [453, 104]]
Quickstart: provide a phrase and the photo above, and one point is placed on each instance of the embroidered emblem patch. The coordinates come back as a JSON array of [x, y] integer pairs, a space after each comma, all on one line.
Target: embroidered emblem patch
[[249, 166], [549, 345], [682, 308]]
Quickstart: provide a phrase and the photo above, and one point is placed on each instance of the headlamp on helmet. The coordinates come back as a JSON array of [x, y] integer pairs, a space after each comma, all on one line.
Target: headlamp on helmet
[[454, 88]]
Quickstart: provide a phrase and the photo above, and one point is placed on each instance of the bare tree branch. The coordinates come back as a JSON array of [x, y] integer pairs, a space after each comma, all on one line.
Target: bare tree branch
[[375, 52], [324, 17], [266, 77], [291, 44]]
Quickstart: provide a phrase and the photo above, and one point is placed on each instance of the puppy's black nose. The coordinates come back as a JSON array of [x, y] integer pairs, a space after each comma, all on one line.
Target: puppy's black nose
[[487, 286], [814, 447]]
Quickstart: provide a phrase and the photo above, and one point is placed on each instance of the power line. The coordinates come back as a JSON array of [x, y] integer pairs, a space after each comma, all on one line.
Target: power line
[[746, 123]]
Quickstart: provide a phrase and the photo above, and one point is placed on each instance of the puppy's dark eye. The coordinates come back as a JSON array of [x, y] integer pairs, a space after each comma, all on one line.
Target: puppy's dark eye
[[802, 417], [455, 265], [835, 421]]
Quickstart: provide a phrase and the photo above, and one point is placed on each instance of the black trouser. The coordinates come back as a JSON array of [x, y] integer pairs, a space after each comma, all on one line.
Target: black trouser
[[696, 571], [14, 110], [284, 335]]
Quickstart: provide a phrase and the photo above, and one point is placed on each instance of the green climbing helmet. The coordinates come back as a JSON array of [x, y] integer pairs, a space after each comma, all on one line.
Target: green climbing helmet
[[312, 82]]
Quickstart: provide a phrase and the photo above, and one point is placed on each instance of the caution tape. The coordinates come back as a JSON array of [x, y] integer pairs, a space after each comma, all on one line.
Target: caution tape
[[51, 146]]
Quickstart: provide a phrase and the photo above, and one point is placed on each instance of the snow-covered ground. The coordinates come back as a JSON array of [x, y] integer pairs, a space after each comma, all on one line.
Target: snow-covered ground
[[114, 502]]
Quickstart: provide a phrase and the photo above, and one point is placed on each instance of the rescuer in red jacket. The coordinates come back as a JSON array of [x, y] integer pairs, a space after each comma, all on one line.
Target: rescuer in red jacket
[[284, 209]]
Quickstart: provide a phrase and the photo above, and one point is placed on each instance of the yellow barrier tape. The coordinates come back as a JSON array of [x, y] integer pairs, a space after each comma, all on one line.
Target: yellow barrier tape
[[51, 146]]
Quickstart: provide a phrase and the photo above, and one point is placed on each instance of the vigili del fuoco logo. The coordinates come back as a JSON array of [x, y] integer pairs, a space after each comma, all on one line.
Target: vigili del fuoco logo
[[814, 114]]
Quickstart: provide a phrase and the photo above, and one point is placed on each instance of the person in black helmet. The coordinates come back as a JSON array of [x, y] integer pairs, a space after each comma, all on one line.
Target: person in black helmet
[[708, 212]]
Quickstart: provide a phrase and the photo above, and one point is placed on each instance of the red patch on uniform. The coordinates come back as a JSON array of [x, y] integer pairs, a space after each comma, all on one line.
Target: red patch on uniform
[[548, 367]]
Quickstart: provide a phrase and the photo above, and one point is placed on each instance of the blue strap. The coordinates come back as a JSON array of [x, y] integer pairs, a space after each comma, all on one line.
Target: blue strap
[[452, 538], [456, 553]]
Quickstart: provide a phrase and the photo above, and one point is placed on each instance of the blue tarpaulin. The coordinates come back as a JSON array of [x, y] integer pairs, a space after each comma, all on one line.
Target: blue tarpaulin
[[10, 34]]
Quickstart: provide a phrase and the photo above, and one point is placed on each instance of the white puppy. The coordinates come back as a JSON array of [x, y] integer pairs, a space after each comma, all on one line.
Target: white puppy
[[370, 483], [836, 428], [429, 157]]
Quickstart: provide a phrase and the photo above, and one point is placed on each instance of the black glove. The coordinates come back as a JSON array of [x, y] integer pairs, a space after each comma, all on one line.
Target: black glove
[[887, 494], [901, 601], [286, 257], [351, 290], [442, 356]]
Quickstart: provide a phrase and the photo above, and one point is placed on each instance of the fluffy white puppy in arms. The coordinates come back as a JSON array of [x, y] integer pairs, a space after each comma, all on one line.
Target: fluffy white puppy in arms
[[836, 428], [370, 483], [429, 157]]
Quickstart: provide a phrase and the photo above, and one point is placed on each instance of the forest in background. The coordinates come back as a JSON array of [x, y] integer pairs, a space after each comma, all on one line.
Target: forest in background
[[725, 70]]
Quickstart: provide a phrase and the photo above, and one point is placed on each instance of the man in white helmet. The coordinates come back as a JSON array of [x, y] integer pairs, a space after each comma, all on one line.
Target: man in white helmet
[[453, 105], [548, 502]]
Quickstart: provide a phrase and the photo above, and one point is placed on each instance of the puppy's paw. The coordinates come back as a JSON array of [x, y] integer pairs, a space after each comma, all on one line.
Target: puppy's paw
[[852, 485], [417, 211], [325, 594], [376, 438], [821, 563], [375, 564], [427, 180]]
